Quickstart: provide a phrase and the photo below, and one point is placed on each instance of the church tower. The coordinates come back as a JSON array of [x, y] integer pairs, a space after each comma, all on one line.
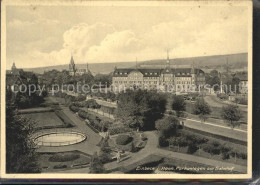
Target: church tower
[[13, 67], [72, 66]]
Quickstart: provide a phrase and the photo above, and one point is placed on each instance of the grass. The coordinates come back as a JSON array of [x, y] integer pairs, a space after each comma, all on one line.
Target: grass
[[48, 164], [45, 119], [216, 112]]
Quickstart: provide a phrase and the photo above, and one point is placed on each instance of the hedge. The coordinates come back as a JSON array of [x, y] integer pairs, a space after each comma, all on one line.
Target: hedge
[[123, 139], [194, 142], [94, 121], [118, 129], [92, 104], [61, 157], [222, 96], [73, 108]]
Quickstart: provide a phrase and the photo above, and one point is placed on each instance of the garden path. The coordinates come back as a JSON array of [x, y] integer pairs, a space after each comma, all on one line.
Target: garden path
[[88, 146], [151, 148]]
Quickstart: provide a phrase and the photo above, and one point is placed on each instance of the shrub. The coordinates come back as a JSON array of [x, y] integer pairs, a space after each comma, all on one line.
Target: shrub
[[222, 96], [167, 126], [192, 148], [63, 157], [73, 108], [163, 142], [80, 98], [92, 104], [60, 166], [80, 104], [225, 156], [123, 139], [83, 114], [242, 155], [118, 129]]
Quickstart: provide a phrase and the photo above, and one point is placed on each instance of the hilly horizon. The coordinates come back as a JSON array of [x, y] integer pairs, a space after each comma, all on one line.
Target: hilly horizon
[[235, 60]]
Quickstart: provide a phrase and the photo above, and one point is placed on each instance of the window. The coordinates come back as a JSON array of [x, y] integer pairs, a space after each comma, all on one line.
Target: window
[[120, 73], [151, 73]]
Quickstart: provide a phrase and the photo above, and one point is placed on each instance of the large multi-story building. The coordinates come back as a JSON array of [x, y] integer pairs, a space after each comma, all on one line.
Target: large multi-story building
[[158, 78], [78, 72]]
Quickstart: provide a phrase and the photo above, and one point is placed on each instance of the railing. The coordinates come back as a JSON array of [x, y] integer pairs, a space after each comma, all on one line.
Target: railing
[[51, 133]]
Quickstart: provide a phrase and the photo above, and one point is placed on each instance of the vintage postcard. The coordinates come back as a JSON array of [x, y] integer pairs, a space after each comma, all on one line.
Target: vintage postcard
[[133, 89]]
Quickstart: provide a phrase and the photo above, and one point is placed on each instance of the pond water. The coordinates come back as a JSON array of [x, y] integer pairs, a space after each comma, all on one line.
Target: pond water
[[59, 139]]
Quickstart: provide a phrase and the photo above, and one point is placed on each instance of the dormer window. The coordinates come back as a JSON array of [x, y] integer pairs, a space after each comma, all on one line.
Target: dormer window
[[120, 73], [116, 73], [188, 73], [125, 73], [155, 73], [146, 73], [178, 73], [183, 73], [151, 73]]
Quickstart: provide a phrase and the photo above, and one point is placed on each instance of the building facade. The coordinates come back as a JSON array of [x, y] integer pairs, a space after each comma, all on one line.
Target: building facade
[[178, 79], [78, 72]]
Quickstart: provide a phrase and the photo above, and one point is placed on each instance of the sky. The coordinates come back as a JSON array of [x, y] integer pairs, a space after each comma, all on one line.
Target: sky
[[48, 35]]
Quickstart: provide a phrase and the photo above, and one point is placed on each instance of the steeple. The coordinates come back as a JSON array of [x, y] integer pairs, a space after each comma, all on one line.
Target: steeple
[[168, 60], [13, 66], [72, 60], [192, 68], [88, 71]]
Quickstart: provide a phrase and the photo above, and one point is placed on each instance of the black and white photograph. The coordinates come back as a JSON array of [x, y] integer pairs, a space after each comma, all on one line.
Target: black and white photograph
[[134, 89]]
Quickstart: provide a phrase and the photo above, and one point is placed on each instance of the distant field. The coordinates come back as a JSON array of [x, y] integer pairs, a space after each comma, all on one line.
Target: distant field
[[45, 119]]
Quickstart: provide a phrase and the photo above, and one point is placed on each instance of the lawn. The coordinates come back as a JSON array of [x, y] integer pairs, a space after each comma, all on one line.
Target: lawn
[[60, 161], [45, 119], [216, 112]]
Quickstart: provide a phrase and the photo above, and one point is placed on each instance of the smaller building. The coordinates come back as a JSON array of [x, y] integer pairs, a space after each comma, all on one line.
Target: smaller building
[[78, 72], [14, 70], [243, 83]]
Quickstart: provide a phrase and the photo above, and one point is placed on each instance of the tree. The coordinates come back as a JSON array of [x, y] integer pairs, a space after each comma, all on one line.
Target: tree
[[168, 126], [202, 109], [140, 108], [214, 73], [231, 114], [96, 165], [20, 149], [179, 105], [105, 151]]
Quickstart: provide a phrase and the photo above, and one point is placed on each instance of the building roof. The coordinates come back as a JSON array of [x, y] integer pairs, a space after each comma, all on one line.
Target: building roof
[[148, 72]]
